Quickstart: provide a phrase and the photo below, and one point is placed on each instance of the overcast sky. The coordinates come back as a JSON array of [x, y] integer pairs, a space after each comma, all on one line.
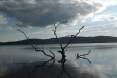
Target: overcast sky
[[37, 17]]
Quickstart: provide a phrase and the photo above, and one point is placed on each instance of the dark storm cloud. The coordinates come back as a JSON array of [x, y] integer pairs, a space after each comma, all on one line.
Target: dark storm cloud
[[45, 12]]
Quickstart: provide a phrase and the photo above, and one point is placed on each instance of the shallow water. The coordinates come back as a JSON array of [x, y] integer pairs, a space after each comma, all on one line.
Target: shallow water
[[103, 57]]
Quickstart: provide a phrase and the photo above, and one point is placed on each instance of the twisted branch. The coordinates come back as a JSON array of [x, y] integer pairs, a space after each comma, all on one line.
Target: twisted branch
[[73, 36], [35, 47], [83, 56]]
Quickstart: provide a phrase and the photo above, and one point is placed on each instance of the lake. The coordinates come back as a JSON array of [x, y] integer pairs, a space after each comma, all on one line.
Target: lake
[[103, 57]]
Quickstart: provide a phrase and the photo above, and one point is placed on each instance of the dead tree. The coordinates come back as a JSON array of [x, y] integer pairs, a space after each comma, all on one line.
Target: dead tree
[[62, 51]]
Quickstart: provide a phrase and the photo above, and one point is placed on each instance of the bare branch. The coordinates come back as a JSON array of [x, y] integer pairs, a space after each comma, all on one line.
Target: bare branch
[[79, 31], [55, 28], [23, 33], [35, 47], [83, 56], [86, 59], [52, 54], [55, 34], [86, 53], [74, 36]]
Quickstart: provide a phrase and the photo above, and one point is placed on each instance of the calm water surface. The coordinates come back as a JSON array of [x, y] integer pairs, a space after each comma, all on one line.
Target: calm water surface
[[103, 57]]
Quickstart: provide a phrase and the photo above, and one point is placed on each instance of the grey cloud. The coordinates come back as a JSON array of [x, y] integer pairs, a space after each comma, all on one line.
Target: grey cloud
[[45, 12]]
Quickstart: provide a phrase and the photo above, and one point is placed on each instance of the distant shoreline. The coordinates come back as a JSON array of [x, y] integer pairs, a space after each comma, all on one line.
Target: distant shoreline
[[97, 39]]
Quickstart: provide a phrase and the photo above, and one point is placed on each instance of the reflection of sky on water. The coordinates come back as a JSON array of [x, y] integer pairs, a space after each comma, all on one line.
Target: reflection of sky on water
[[103, 57]]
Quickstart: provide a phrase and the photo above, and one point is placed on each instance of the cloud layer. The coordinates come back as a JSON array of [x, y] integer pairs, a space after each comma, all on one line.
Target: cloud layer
[[46, 12]]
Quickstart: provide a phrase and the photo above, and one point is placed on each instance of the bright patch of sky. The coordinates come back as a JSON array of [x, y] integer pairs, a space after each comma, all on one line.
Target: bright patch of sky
[[38, 17]]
